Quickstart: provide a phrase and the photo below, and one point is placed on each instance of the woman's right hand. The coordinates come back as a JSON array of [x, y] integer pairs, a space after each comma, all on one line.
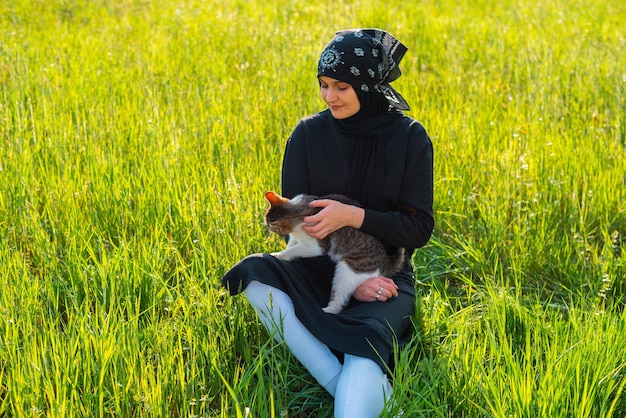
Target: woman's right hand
[[333, 216]]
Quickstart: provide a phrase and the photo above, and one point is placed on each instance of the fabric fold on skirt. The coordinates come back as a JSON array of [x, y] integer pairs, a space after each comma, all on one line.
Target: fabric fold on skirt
[[366, 329]]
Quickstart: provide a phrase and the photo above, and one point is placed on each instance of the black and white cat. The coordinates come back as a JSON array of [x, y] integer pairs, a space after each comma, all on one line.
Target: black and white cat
[[358, 256]]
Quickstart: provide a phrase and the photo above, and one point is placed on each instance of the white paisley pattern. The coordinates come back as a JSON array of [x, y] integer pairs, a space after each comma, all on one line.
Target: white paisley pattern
[[330, 59]]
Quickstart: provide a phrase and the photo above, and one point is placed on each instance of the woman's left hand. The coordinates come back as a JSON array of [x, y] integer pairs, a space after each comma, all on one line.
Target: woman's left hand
[[333, 216], [378, 288]]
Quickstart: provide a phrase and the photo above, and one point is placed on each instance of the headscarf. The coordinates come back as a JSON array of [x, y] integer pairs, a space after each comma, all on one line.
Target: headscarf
[[368, 60]]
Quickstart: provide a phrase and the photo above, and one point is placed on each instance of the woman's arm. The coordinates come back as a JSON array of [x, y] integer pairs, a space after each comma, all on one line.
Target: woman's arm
[[295, 173], [411, 225]]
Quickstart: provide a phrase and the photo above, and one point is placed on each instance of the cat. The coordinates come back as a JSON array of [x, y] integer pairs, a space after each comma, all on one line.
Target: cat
[[357, 255]]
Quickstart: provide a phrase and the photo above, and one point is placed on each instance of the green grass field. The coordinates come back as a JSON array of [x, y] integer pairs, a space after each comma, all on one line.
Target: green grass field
[[137, 138]]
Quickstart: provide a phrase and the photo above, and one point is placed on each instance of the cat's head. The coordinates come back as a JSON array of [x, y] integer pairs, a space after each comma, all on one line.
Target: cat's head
[[284, 215]]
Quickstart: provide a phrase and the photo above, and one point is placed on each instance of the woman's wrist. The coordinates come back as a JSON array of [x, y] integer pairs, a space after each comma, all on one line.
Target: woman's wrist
[[356, 216], [352, 208]]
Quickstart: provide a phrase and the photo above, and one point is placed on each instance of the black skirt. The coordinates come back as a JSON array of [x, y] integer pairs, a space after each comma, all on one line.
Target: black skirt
[[365, 329]]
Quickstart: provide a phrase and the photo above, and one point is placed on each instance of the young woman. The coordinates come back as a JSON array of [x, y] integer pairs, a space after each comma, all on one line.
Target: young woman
[[364, 147]]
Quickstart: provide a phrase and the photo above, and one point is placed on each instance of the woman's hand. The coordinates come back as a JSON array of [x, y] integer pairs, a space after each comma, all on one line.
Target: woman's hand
[[333, 216], [378, 288]]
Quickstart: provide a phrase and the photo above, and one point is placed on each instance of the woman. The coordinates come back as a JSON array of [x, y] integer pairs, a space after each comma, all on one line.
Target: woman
[[364, 147]]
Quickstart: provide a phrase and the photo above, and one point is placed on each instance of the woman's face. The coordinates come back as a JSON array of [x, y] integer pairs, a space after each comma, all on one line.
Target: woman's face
[[340, 97]]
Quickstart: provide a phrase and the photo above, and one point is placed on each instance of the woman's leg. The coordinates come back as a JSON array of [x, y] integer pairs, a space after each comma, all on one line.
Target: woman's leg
[[362, 389], [275, 310]]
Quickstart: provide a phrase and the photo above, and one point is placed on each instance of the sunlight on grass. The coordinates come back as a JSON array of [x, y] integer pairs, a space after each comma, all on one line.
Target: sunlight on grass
[[137, 139]]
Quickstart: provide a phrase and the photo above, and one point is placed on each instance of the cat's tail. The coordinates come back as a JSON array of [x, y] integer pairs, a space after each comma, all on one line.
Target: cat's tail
[[396, 258]]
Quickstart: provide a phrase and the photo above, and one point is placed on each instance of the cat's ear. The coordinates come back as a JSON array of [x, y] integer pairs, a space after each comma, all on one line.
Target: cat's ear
[[274, 199]]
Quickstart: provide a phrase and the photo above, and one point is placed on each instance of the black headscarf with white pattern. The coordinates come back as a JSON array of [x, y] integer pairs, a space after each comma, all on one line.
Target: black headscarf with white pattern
[[368, 60]]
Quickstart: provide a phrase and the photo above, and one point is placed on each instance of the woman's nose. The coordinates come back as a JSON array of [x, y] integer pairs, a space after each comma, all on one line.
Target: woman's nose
[[330, 95]]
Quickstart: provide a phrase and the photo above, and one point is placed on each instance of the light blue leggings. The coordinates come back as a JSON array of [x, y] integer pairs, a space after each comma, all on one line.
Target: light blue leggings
[[359, 386]]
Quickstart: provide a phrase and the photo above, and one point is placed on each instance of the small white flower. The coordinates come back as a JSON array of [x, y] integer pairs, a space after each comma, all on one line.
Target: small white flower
[[355, 71], [359, 52]]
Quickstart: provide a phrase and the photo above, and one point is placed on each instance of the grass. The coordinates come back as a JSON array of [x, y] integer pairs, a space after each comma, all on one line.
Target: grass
[[137, 138]]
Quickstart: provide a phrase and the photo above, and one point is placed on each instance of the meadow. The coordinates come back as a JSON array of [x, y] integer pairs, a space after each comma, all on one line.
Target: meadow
[[137, 138]]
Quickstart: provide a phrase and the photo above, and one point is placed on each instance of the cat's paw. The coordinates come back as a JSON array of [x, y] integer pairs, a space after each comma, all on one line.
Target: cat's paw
[[332, 309], [280, 255]]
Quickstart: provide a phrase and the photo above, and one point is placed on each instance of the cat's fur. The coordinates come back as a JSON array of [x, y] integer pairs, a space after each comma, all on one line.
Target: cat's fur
[[358, 256]]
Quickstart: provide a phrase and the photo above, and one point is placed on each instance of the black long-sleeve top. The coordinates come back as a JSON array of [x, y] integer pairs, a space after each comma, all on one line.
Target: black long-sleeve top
[[398, 198]]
